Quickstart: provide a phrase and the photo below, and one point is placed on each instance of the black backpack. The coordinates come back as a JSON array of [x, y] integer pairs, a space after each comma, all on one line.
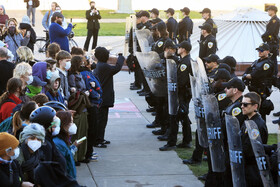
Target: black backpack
[[130, 62], [36, 3]]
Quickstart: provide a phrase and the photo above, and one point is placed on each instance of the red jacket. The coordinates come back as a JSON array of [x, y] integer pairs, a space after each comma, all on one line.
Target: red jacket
[[7, 108]]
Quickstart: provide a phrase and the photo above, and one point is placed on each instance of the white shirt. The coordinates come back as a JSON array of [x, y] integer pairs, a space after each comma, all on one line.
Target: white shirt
[[30, 2]]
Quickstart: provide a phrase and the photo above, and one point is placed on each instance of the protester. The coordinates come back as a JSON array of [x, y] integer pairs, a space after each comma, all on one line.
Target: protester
[[57, 33], [35, 87], [6, 69], [53, 93], [46, 22], [63, 141], [10, 99], [105, 73], [40, 99], [14, 38], [63, 59], [10, 172], [25, 55], [28, 30], [3, 17], [31, 139]]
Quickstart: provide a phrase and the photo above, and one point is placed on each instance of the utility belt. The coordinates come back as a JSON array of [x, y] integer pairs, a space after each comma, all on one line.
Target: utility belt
[[263, 89]]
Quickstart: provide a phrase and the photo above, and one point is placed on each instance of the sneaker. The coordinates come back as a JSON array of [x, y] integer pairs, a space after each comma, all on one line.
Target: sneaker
[[93, 159], [191, 161], [202, 177], [100, 145], [167, 148], [94, 154], [106, 142], [276, 114]]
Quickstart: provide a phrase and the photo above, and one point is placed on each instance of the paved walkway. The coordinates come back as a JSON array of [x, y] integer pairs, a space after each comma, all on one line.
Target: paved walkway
[[133, 159]]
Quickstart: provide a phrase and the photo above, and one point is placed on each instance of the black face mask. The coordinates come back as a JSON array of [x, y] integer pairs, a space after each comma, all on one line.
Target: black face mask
[[93, 66], [12, 31]]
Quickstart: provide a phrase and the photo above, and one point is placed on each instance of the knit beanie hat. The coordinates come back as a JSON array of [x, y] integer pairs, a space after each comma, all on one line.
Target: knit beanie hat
[[6, 141], [33, 129]]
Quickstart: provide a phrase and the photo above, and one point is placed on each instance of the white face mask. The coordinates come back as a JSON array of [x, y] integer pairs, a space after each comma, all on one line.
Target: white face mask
[[15, 156], [56, 131], [30, 79], [34, 145], [72, 129], [68, 65]]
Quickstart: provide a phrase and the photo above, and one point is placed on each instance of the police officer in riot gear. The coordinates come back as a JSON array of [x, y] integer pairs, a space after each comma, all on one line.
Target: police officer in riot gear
[[250, 105], [185, 26], [171, 24], [163, 36], [229, 60], [206, 15], [259, 78], [208, 43], [234, 89], [184, 96], [271, 36]]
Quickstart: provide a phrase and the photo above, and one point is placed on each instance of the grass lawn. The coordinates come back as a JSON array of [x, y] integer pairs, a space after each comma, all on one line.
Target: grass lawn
[[106, 29], [110, 14], [203, 167]]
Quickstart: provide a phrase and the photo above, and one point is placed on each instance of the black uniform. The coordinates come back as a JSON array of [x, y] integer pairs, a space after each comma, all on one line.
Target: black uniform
[[262, 76], [252, 173], [214, 26], [158, 46], [172, 25], [184, 95], [235, 110], [271, 37], [185, 29], [207, 46]]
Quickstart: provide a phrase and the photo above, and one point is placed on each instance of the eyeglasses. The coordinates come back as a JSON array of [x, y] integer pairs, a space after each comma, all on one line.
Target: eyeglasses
[[246, 104]]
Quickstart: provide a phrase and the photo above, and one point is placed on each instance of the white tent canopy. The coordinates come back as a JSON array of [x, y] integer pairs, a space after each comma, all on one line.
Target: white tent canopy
[[239, 34]]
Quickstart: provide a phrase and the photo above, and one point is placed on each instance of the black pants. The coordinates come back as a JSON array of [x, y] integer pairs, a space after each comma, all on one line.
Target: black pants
[[101, 123], [92, 130], [198, 151], [90, 33], [274, 50], [162, 112]]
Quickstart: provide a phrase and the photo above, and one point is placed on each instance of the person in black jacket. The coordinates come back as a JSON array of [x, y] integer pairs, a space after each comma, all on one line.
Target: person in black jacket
[[206, 14], [171, 24], [208, 43], [93, 25], [105, 72], [250, 105], [6, 69], [25, 25], [185, 26]]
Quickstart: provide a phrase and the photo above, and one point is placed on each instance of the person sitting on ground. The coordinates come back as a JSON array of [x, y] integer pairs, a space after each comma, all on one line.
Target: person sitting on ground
[[31, 139], [14, 38], [63, 141], [40, 99], [25, 55], [10, 172], [10, 99], [28, 30], [6, 69], [57, 33]]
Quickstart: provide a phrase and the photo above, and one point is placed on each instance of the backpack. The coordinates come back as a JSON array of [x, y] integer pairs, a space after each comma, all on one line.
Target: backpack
[[6, 125], [130, 62], [36, 3]]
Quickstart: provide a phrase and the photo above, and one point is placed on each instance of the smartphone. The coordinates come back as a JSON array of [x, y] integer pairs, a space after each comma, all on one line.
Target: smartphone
[[82, 139], [28, 33]]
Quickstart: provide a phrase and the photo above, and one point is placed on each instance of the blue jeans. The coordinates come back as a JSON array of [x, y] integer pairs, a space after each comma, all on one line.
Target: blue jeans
[[32, 10]]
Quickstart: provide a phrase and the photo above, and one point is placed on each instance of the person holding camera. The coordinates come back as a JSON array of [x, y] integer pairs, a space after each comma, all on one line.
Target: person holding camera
[[93, 25]]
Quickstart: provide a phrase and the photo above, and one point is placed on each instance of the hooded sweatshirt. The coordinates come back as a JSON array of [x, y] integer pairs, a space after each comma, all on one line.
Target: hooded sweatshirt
[[55, 95]]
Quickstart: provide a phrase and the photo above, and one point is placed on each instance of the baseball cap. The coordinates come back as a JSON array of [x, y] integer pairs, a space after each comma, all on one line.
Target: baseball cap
[[186, 45], [222, 74], [186, 10], [170, 10], [229, 60], [212, 58], [57, 14], [138, 14], [206, 26], [155, 11], [144, 13], [38, 82], [235, 83], [205, 10], [169, 44], [263, 47], [274, 8], [224, 66]]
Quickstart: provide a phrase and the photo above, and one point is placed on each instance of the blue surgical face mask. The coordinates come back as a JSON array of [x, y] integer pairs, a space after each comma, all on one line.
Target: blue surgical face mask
[[49, 74]]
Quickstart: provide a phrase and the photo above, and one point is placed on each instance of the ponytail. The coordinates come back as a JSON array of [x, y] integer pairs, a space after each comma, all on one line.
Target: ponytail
[[17, 122], [3, 97]]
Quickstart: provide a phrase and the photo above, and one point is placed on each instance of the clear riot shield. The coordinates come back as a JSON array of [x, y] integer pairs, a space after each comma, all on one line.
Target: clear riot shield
[[197, 89], [214, 132], [145, 39], [171, 70], [127, 35], [261, 157], [134, 39], [154, 72], [203, 76], [235, 151]]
